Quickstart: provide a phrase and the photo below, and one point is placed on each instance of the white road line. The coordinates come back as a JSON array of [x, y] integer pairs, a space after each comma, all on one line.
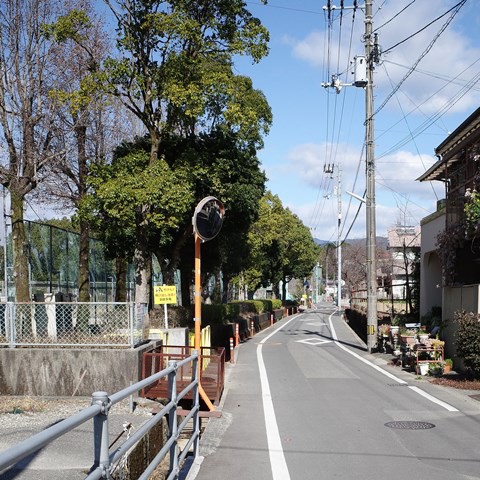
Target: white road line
[[433, 399], [388, 374], [278, 463]]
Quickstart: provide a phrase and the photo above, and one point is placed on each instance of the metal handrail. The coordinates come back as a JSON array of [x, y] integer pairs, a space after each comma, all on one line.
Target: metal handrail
[[104, 460]]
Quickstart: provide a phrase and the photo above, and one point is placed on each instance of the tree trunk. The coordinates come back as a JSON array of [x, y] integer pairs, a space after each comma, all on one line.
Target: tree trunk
[[142, 257], [216, 296], [284, 290], [276, 291], [20, 249], [84, 248], [121, 267], [186, 281], [83, 267], [143, 266]]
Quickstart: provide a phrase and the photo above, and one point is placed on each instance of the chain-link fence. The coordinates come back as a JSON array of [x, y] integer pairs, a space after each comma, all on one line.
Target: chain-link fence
[[72, 324]]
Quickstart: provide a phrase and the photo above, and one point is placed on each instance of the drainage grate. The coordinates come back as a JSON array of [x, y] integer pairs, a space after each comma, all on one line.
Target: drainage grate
[[410, 425]]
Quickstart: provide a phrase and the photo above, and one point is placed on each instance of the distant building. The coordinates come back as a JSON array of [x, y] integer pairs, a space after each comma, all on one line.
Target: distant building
[[404, 244]]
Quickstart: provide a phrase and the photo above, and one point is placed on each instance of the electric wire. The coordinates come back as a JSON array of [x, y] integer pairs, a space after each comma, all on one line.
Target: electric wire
[[394, 17], [410, 132], [432, 119], [422, 55], [279, 7], [458, 6], [333, 134], [453, 81], [469, 84]]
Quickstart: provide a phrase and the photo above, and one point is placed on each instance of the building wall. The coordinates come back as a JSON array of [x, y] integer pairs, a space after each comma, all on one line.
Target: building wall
[[430, 266], [456, 299]]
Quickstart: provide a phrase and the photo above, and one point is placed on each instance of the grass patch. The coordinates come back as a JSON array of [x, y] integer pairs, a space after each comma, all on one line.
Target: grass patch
[[18, 405]]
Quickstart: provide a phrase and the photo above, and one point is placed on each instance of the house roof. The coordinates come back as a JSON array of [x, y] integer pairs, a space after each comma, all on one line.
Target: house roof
[[450, 150], [400, 236]]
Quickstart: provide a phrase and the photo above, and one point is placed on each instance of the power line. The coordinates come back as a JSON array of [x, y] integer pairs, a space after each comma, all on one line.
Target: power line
[[458, 6], [395, 16], [424, 53], [300, 10]]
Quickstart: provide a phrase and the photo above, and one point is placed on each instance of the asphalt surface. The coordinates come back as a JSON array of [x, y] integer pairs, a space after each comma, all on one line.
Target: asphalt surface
[[237, 445]]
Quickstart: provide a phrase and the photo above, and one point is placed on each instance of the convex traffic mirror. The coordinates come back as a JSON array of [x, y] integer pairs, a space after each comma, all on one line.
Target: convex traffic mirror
[[208, 218]]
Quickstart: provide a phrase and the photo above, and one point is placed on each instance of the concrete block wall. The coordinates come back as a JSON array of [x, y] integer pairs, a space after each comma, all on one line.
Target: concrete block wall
[[69, 371]]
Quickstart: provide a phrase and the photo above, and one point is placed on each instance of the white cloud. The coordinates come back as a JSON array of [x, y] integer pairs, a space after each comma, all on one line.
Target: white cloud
[[399, 197], [309, 160], [439, 82]]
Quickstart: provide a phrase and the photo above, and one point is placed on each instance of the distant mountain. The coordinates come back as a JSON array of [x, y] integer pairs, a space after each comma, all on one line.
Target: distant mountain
[[382, 242]]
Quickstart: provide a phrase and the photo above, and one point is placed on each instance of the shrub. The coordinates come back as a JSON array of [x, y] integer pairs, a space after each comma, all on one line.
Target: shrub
[[467, 339], [276, 304], [213, 314], [266, 305]]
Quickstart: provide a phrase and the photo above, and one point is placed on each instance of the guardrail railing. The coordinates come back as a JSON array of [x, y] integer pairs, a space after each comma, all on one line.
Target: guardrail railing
[[105, 460], [72, 324]]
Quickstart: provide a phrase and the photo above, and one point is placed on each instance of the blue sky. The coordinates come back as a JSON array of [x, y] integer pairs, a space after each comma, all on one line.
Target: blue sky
[[313, 126]]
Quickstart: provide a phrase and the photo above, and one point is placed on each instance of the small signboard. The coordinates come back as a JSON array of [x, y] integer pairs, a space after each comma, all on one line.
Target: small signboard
[[162, 295]]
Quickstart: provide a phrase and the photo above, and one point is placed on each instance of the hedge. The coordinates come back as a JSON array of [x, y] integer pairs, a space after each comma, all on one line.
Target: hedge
[[467, 339]]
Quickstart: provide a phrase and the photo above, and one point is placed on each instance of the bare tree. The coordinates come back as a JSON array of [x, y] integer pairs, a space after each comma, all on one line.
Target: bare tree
[[26, 115], [87, 121]]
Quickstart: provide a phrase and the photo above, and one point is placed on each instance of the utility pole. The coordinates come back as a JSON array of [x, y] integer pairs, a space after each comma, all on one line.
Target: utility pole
[[329, 169], [339, 240], [370, 56], [363, 78]]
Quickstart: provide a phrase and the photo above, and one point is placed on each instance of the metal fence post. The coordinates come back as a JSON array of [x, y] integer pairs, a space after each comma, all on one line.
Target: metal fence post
[[131, 322], [10, 323], [172, 417], [196, 405], [100, 434]]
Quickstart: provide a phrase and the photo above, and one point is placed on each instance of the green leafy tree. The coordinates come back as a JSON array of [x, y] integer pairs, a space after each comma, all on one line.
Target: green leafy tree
[[174, 72], [282, 248], [121, 191], [229, 170]]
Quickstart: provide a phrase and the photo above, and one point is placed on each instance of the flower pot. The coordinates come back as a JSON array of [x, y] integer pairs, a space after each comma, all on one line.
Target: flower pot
[[422, 368], [408, 339], [394, 329], [447, 368]]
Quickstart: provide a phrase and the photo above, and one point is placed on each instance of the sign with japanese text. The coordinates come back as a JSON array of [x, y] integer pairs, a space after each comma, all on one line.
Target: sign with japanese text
[[164, 294]]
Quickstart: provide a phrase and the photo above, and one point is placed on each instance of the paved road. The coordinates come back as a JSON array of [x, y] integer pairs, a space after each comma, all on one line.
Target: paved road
[[305, 401]]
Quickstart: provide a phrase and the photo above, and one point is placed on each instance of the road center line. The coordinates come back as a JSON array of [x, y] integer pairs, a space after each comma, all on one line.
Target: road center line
[[384, 372], [278, 463]]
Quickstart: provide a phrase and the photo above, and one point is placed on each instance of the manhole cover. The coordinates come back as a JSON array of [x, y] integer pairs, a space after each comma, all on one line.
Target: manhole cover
[[410, 425]]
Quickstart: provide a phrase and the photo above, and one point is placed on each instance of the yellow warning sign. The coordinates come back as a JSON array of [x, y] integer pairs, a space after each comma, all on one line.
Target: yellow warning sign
[[165, 294]]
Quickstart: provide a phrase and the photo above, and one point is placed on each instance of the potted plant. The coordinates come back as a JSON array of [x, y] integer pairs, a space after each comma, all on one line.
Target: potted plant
[[422, 368], [423, 335], [435, 369], [448, 365], [395, 326], [384, 330], [408, 336], [437, 346]]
